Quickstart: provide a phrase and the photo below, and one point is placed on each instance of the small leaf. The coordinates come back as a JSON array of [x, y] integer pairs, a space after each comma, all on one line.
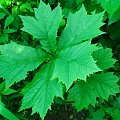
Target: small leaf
[[82, 94], [8, 21], [3, 38], [103, 58], [8, 91], [9, 30], [2, 15]]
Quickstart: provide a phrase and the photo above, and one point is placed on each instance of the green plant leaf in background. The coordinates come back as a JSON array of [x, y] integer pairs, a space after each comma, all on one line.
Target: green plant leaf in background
[[6, 113], [8, 21], [2, 15], [4, 91], [115, 17], [3, 38], [112, 7]]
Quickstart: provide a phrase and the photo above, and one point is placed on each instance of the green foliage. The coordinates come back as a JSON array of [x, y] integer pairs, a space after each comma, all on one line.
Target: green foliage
[[98, 85], [111, 6], [6, 113], [16, 60], [74, 63], [43, 90], [80, 27], [57, 54], [104, 58], [45, 27], [107, 5]]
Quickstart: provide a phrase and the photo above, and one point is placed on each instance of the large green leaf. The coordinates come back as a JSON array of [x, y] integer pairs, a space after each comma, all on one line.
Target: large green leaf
[[75, 63], [16, 60], [6, 113], [104, 58], [40, 92], [44, 26], [79, 27]]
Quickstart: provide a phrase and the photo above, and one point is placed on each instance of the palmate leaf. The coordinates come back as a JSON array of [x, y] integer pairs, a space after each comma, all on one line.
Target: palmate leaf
[[79, 27], [16, 60], [40, 92], [75, 63], [44, 26], [98, 85], [103, 58]]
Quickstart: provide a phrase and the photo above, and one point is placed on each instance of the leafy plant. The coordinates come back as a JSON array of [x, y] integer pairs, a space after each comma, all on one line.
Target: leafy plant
[[64, 58], [112, 12], [6, 113]]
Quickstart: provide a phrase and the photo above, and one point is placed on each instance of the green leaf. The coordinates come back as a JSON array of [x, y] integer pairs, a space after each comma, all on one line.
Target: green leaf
[[8, 21], [110, 5], [26, 6], [6, 113], [16, 60], [117, 103], [69, 3], [82, 94], [9, 30], [2, 85], [45, 26], [51, 2], [98, 85], [4, 38], [39, 94], [79, 27], [116, 115], [104, 58], [98, 115], [115, 17], [75, 63], [6, 91], [104, 84], [2, 15]]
